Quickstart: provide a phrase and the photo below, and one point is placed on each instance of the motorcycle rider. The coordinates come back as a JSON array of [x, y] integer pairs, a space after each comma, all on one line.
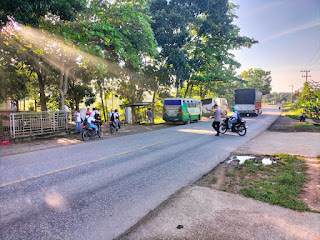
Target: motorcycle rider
[[117, 118], [235, 117], [91, 121]]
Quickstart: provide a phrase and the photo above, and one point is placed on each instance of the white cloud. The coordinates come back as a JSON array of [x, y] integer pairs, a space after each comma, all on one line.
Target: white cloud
[[292, 30]]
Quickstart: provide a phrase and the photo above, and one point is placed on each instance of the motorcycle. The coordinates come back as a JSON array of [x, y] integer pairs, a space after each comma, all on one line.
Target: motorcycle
[[113, 126], [239, 128], [88, 132]]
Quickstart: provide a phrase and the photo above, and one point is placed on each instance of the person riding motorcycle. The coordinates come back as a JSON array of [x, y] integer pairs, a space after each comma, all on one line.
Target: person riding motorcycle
[[117, 117], [235, 118]]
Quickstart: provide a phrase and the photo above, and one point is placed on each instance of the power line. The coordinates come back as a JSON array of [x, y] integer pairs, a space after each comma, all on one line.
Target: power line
[[313, 57]]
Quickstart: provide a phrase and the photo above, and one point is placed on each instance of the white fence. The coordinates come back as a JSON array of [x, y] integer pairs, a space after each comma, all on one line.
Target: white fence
[[35, 123]]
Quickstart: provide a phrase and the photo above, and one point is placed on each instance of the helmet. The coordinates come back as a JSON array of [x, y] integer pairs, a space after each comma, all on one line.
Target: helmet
[[116, 110], [235, 109]]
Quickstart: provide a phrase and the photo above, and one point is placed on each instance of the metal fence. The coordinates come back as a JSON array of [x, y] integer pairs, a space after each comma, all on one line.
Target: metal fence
[[34, 123]]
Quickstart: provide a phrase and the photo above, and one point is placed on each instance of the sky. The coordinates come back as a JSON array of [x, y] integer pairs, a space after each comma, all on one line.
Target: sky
[[288, 32]]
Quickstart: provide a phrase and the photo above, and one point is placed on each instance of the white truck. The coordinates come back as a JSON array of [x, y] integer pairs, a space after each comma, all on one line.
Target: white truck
[[248, 101]]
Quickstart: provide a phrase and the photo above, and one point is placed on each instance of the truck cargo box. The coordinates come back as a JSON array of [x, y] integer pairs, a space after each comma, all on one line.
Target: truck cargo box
[[247, 96], [248, 101]]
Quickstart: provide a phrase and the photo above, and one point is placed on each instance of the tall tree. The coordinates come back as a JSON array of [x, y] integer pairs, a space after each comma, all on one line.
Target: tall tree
[[195, 38], [258, 79]]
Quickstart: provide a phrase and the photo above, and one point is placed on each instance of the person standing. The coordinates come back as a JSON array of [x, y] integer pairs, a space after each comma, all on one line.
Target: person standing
[[88, 112], [66, 111], [149, 114], [279, 105], [77, 119], [217, 118]]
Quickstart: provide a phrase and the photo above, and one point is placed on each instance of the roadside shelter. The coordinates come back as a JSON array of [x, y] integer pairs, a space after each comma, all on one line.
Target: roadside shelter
[[137, 116]]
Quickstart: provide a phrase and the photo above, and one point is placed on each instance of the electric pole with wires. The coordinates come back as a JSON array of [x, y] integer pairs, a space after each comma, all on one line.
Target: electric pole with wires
[[306, 74]]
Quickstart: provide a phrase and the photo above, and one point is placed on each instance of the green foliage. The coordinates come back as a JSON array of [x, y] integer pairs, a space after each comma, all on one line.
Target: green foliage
[[310, 98], [31, 11], [194, 38], [258, 79]]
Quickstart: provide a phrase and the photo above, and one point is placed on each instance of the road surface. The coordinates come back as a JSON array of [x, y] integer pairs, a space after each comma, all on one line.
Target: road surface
[[99, 189]]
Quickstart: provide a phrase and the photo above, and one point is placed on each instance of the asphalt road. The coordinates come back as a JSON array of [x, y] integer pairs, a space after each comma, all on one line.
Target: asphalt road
[[99, 189]]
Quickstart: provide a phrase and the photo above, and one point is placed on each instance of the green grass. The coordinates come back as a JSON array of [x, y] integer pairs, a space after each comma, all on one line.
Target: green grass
[[279, 183], [305, 128]]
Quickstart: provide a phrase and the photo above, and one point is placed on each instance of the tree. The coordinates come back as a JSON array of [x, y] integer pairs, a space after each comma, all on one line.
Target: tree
[[258, 79], [30, 12], [194, 39]]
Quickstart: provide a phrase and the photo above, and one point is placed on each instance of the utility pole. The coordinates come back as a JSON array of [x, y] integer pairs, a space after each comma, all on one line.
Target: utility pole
[[291, 93], [306, 76]]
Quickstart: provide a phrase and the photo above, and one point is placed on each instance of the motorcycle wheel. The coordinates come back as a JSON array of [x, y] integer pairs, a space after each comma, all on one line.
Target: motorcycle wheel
[[241, 130], [222, 128], [85, 135], [100, 133], [111, 129]]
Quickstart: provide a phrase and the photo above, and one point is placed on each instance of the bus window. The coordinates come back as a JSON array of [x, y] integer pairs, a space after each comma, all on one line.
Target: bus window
[[207, 101], [172, 102]]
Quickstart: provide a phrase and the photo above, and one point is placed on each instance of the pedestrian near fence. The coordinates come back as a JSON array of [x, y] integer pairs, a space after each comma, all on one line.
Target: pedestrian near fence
[[77, 119], [217, 118]]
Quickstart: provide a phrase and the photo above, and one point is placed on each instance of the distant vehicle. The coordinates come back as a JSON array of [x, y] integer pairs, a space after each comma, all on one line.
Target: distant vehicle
[[182, 110], [208, 103], [248, 101]]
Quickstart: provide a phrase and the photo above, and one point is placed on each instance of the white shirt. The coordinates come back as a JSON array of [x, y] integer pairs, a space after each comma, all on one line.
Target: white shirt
[[117, 114], [92, 114], [77, 117], [66, 109], [90, 119], [235, 115]]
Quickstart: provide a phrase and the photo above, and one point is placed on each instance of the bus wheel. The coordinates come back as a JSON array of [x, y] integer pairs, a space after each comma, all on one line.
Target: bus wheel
[[188, 121]]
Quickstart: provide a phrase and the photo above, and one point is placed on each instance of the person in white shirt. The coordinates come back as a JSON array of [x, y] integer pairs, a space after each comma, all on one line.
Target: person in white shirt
[[77, 119], [93, 112], [235, 117], [117, 117], [91, 121]]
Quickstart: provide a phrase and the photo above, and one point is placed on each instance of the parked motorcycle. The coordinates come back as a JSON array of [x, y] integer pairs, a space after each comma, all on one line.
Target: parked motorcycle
[[239, 128], [88, 132]]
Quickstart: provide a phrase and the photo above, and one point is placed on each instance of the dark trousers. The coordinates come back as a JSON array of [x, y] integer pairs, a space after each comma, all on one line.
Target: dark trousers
[[216, 126]]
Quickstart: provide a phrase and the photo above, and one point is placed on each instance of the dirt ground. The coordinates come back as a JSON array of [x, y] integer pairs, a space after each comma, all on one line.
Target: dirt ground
[[218, 179], [71, 139], [312, 190]]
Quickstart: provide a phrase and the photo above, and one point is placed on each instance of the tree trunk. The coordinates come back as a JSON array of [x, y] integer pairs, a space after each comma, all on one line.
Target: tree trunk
[[191, 90], [185, 94], [42, 81], [102, 102], [153, 100], [35, 104], [177, 94]]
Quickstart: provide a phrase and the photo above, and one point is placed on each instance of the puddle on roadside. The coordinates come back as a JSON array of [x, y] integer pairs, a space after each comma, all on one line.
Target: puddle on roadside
[[238, 160]]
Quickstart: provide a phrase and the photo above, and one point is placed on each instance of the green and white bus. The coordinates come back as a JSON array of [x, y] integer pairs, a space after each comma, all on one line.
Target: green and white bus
[[182, 110]]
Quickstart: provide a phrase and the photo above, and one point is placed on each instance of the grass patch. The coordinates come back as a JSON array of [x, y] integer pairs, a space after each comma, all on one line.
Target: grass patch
[[305, 128], [279, 183]]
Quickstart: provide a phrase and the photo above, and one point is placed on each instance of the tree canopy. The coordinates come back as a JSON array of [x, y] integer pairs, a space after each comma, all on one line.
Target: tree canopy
[[73, 51]]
